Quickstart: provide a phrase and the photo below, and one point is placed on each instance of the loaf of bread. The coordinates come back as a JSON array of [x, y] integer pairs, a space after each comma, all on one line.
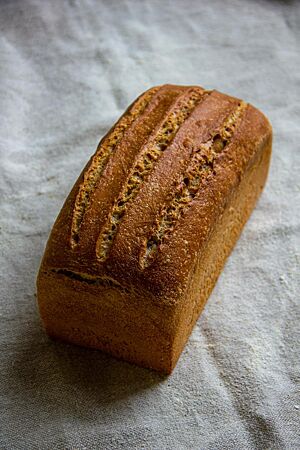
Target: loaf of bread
[[146, 230]]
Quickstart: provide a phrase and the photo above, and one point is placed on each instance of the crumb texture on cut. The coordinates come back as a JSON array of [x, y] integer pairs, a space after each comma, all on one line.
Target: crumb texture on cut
[[106, 148], [145, 163], [200, 167]]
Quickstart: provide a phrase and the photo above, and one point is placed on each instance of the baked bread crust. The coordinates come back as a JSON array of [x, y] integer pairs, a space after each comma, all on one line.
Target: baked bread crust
[[146, 230]]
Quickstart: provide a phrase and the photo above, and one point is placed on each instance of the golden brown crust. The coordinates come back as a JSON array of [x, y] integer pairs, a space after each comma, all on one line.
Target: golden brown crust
[[143, 212]]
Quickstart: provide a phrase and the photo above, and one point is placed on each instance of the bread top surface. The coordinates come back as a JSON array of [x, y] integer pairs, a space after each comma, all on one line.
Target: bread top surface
[[147, 200]]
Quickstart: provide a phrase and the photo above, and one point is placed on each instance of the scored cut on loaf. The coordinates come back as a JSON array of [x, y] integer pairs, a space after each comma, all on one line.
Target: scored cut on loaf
[[144, 234]]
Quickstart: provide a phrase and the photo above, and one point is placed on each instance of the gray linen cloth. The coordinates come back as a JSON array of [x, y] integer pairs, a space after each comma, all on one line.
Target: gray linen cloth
[[67, 71]]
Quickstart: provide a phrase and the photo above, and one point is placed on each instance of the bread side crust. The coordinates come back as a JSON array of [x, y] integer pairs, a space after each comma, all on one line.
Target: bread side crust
[[117, 321], [211, 260]]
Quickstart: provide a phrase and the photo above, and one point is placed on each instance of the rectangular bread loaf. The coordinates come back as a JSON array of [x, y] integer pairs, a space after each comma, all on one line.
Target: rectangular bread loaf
[[146, 230]]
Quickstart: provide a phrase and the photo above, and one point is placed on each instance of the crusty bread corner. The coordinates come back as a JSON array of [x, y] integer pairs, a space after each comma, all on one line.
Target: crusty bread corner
[[146, 230]]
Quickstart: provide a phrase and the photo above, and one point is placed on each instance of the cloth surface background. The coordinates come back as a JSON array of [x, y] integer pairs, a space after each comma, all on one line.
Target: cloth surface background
[[68, 69]]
